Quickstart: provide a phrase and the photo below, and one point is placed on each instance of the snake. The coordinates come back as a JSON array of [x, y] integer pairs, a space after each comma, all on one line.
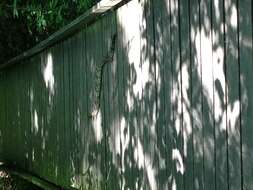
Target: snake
[[99, 78]]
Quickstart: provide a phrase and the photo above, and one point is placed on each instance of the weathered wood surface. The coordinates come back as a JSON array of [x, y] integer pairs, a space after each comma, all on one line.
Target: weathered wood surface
[[175, 105]]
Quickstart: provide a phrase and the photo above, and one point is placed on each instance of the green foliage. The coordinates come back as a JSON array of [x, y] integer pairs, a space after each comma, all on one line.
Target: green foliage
[[25, 23]]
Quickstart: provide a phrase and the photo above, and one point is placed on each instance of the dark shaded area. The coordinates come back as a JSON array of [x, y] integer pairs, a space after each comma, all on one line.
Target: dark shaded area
[[12, 182], [14, 38]]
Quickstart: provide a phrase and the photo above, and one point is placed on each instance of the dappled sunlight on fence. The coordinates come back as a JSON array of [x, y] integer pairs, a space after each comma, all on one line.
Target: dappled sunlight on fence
[[174, 109]]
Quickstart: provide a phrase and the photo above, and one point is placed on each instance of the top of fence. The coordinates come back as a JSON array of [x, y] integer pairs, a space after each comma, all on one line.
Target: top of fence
[[97, 10]]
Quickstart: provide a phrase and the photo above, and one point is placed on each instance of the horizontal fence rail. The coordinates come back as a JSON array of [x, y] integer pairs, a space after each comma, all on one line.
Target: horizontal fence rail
[[169, 82]]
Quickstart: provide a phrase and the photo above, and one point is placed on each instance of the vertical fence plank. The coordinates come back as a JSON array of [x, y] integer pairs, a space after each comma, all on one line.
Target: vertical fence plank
[[66, 95], [56, 93], [84, 107], [56, 154], [11, 113], [187, 136], [83, 103], [108, 88], [196, 94], [132, 127], [40, 114], [22, 106], [134, 106], [161, 11], [233, 100], [121, 95], [90, 70], [122, 62], [27, 124], [5, 115], [105, 107], [20, 126], [98, 128], [76, 129], [114, 90], [207, 94], [89, 64], [97, 123], [246, 90], [72, 93], [94, 55], [2, 112], [177, 149], [149, 93], [219, 95], [168, 85], [168, 82], [5, 147], [62, 95]]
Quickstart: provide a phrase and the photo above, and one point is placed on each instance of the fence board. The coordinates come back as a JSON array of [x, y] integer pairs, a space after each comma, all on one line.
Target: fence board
[[246, 91], [207, 94], [233, 101], [186, 101]]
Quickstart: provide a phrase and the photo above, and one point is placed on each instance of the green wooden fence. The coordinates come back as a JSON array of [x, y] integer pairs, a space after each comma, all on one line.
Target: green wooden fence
[[175, 105]]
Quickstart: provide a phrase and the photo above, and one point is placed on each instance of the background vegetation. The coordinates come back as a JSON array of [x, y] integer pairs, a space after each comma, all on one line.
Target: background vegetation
[[25, 23]]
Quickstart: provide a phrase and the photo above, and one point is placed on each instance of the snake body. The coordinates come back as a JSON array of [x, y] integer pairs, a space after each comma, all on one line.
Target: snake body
[[99, 78]]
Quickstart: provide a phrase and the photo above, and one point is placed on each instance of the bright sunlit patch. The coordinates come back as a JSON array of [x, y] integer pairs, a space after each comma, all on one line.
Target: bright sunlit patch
[[174, 11], [48, 74], [174, 185], [219, 86], [187, 128], [207, 76], [75, 182], [117, 139], [33, 155], [139, 154], [176, 100], [97, 127], [233, 115], [179, 160], [168, 6], [125, 139], [137, 87], [150, 173], [140, 72], [216, 9], [177, 124], [198, 53], [185, 82], [143, 76], [31, 96], [35, 122], [43, 145], [130, 101], [131, 27], [233, 17]]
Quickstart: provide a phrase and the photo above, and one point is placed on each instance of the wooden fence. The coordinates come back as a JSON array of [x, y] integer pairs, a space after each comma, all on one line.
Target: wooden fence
[[175, 109]]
